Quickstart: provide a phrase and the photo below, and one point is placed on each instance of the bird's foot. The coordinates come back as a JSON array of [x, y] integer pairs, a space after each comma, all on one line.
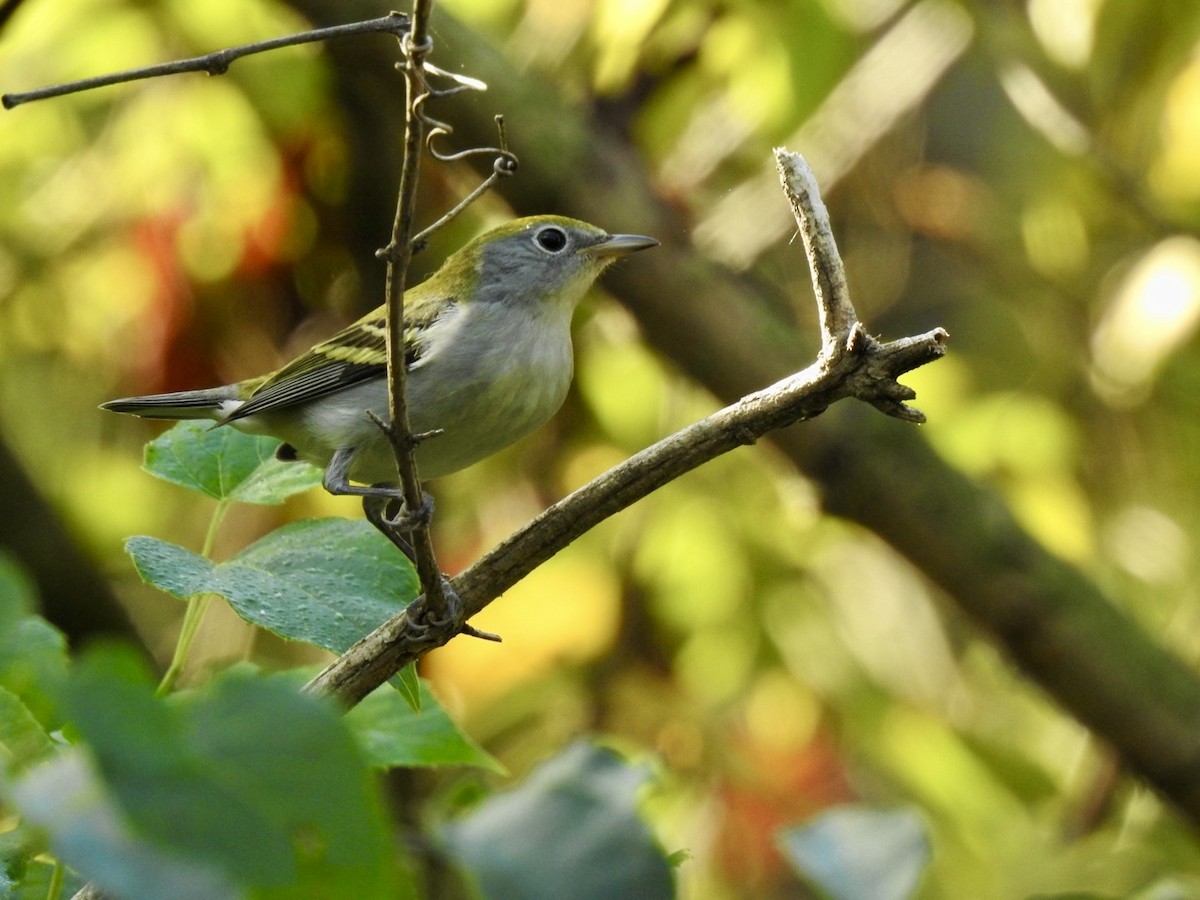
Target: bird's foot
[[388, 513], [452, 613]]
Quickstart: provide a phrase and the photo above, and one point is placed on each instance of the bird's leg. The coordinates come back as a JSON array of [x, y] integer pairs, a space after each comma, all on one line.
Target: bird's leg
[[395, 525], [376, 499], [403, 519], [375, 509], [337, 479], [420, 622]]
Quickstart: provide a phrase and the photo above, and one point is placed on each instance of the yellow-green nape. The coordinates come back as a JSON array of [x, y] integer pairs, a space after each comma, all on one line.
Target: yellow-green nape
[[519, 226]]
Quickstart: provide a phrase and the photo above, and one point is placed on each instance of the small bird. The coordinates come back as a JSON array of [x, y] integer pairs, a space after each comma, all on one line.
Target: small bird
[[487, 350]]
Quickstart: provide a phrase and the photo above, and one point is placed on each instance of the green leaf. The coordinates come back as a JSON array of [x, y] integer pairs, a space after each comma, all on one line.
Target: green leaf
[[33, 661], [245, 783], [35, 884], [290, 758], [393, 733], [327, 582], [408, 683], [171, 568], [17, 595], [25, 873], [225, 464], [33, 653], [858, 851], [570, 830], [21, 734], [67, 800], [18, 846]]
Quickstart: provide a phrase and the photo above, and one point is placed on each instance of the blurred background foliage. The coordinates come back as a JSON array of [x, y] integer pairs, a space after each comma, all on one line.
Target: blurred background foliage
[[1026, 175]]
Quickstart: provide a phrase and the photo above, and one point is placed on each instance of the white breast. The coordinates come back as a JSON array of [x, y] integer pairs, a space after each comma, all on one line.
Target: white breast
[[491, 384], [488, 376]]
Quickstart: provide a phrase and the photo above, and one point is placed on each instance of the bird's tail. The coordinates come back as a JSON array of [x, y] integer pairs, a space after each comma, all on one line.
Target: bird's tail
[[210, 403]]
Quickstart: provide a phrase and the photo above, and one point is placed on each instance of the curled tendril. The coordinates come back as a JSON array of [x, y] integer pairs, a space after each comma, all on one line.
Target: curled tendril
[[504, 162], [504, 157], [435, 128]]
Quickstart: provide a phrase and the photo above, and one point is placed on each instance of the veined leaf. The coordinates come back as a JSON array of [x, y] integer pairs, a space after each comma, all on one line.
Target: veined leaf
[[580, 835], [395, 733], [226, 464], [246, 783], [327, 582]]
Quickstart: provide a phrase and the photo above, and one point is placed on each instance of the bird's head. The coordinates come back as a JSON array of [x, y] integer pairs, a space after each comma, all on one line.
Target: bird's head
[[538, 259]]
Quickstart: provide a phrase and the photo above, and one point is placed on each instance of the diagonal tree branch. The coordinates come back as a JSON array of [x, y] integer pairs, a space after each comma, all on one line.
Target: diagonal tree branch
[[1053, 621], [1050, 618], [852, 365]]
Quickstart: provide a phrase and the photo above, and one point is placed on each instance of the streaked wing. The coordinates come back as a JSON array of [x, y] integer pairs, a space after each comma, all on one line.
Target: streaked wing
[[317, 381], [355, 354]]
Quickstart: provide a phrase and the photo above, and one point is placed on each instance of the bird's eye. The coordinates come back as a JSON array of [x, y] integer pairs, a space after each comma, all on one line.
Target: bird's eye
[[551, 239]]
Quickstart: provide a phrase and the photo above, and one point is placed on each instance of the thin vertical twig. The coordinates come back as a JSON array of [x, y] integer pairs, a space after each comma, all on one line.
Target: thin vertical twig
[[836, 312], [416, 45]]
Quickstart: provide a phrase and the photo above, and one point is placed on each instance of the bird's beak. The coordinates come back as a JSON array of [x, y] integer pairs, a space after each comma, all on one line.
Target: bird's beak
[[620, 245]]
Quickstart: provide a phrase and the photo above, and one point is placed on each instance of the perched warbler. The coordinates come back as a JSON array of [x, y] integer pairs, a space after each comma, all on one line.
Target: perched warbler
[[487, 350]]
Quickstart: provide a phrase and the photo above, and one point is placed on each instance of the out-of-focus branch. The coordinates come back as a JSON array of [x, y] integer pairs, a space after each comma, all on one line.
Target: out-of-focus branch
[[74, 596], [216, 63], [7, 9]]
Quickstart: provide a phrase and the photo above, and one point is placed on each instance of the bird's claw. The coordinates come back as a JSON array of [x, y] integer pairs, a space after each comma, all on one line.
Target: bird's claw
[[407, 520], [375, 507], [396, 526]]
